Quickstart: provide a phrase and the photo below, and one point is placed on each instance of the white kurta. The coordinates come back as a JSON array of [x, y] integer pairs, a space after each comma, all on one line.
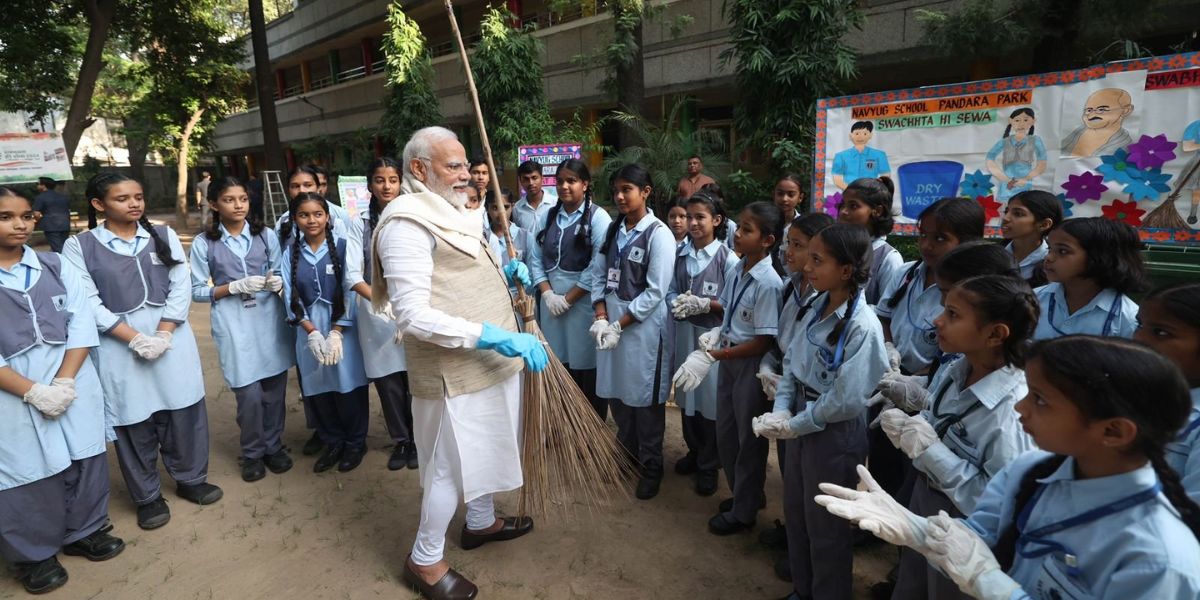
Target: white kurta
[[481, 428]]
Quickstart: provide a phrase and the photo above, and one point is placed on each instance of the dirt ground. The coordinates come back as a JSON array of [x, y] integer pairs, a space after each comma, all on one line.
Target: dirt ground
[[344, 536]]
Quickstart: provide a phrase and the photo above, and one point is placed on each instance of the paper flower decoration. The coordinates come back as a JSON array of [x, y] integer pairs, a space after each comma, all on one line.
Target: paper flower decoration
[[1151, 183], [1085, 186], [1151, 152], [1125, 212], [991, 208], [1119, 168], [832, 203], [976, 184], [1066, 205]]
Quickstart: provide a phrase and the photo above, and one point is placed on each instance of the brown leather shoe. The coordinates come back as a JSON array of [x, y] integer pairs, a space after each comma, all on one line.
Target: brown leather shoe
[[452, 585], [513, 527]]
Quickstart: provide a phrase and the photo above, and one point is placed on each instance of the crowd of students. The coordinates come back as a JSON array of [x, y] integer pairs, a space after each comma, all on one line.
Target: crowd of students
[[1018, 443]]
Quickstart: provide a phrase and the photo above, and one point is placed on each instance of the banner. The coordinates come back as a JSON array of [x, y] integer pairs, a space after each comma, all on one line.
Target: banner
[[549, 156], [24, 157], [1119, 140], [354, 194]]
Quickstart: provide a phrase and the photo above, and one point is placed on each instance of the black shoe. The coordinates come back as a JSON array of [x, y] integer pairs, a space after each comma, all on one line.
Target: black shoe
[[332, 455], [706, 483], [96, 547], [512, 528], [647, 488], [399, 457], [200, 493], [726, 505], [280, 462], [725, 524], [351, 458], [313, 446], [41, 577], [154, 514], [253, 469], [686, 465], [411, 457], [775, 538], [783, 569]]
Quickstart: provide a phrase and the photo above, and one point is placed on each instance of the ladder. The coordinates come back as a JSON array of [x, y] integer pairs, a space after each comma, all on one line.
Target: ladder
[[276, 202]]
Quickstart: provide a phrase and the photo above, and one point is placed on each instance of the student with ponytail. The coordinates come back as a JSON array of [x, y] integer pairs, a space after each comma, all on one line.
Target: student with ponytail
[[1028, 217], [867, 202], [1099, 514], [148, 361]]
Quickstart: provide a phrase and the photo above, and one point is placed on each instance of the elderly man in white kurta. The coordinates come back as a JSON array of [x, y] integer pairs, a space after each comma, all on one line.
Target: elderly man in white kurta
[[450, 299]]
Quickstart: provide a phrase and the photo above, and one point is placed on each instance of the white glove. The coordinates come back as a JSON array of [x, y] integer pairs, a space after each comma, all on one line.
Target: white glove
[[50, 400], [557, 304], [318, 346], [893, 356], [150, 347], [692, 372], [399, 337], [769, 380], [906, 392], [875, 511], [709, 339], [599, 326], [963, 556], [686, 305], [273, 283], [770, 424], [912, 435], [333, 348], [610, 337], [879, 399], [248, 285]]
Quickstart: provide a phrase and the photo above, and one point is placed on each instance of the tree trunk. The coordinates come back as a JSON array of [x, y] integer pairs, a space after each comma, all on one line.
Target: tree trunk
[[631, 85], [265, 84], [100, 16], [181, 171], [138, 148]]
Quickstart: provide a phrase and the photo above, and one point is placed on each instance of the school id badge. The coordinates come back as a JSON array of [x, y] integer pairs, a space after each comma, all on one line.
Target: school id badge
[[708, 288], [614, 279], [637, 255]]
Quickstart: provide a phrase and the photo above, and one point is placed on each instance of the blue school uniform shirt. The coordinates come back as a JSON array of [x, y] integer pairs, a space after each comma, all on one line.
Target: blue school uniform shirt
[[1109, 313], [339, 215], [527, 217], [1184, 453], [751, 302], [911, 323], [1144, 551], [978, 429], [499, 247], [889, 267], [32, 446], [836, 392], [1033, 261], [852, 164]]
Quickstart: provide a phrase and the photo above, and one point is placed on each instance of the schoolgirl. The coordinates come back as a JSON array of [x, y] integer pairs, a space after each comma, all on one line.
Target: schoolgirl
[[714, 190], [677, 222], [147, 359], [384, 361], [867, 202], [1169, 322], [912, 300], [746, 333], [1093, 265], [236, 268], [1100, 514], [1028, 217], [968, 431], [630, 323], [695, 297], [831, 366], [561, 258], [53, 470], [494, 235], [331, 367]]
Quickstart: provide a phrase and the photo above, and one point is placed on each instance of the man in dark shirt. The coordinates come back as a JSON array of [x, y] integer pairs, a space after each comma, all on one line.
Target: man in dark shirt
[[53, 213]]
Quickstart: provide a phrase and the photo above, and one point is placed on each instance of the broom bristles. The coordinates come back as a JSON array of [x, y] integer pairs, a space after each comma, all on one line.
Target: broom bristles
[[569, 457]]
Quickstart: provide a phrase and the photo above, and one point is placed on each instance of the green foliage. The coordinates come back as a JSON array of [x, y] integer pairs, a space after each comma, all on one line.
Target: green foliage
[[346, 154], [235, 14], [790, 53], [980, 28], [40, 47], [411, 102], [742, 188]]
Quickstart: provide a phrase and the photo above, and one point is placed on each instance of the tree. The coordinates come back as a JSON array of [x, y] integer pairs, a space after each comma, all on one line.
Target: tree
[[265, 85], [625, 59], [786, 54], [120, 91], [411, 102]]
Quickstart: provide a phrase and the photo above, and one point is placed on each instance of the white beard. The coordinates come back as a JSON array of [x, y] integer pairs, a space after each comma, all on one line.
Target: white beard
[[456, 199]]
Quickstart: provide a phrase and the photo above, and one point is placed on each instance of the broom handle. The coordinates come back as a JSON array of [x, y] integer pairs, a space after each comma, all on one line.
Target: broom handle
[[483, 136]]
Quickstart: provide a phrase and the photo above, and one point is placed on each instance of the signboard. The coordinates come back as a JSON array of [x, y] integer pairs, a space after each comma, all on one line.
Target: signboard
[[1119, 140], [354, 194], [549, 156], [24, 157]]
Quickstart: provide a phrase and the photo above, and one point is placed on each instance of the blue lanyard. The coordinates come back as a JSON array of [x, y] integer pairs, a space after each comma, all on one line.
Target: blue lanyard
[[1182, 434], [1112, 314], [737, 301], [1038, 536], [28, 277], [832, 361], [941, 426]]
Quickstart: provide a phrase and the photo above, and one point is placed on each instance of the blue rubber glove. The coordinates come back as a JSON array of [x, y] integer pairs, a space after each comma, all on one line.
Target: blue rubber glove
[[516, 269], [513, 344]]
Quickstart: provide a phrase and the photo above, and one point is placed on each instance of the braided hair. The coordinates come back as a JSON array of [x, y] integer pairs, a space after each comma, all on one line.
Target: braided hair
[[583, 240], [962, 217], [1107, 377], [338, 262], [215, 190], [97, 190], [769, 219], [849, 245], [630, 173], [1008, 300]]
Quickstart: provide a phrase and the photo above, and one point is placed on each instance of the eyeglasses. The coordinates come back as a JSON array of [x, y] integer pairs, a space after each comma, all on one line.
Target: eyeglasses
[[1099, 110], [453, 167]]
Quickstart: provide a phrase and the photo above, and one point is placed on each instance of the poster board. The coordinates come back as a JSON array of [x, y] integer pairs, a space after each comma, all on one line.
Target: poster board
[[24, 157], [354, 194], [1119, 140], [549, 156]]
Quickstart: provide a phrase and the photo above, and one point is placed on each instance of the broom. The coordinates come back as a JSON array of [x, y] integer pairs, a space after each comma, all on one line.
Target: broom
[[568, 454]]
